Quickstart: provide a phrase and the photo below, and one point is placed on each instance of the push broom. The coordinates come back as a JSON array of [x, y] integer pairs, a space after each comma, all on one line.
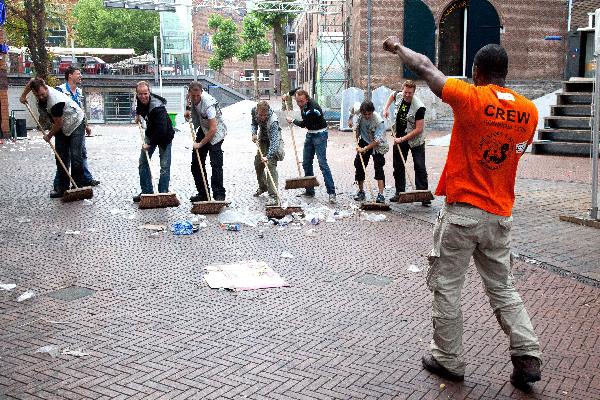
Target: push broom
[[369, 205], [276, 211], [78, 193], [210, 206], [305, 182], [414, 196], [155, 200]]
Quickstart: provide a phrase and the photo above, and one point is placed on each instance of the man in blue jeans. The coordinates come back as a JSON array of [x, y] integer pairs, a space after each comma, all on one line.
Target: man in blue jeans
[[159, 133], [70, 88], [316, 140], [66, 123]]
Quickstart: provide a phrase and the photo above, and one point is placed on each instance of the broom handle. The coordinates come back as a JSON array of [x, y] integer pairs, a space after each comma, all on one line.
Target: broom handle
[[406, 169], [269, 174], [147, 157], [199, 161], [293, 141], [52, 147], [363, 165]]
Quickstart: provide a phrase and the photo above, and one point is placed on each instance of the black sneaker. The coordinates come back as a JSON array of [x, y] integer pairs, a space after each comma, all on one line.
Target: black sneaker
[[219, 198], [198, 197], [426, 203], [395, 198], [137, 198], [56, 194], [526, 370], [380, 199], [93, 182], [431, 365], [360, 196], [259, 192]]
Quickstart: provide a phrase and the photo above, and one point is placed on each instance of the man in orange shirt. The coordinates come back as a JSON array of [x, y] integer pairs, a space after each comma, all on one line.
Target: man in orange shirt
[[492, 128]]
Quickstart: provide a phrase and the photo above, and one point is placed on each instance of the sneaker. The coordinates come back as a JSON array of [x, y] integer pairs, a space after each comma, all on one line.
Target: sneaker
[[431, 365], [93, 182], [360, 196], [380, 199], [332, 198], [526, 370], [306, 193], [258, 192], [219, 198], [426, 203], [56, 194], [395, 198], [198, 197], [138, 198]]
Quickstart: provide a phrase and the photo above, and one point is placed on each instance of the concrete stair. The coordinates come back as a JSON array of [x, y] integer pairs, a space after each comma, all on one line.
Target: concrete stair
[[567, 130]]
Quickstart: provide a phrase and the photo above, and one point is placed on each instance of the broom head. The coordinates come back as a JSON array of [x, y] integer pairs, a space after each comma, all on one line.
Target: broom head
[[415, 196], [78, 194], [305, 182], [209, 207], [280, 212], [160, 200], [371, 205]]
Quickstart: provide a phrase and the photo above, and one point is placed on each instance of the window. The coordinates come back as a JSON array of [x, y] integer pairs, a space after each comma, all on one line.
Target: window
[[263, 75]]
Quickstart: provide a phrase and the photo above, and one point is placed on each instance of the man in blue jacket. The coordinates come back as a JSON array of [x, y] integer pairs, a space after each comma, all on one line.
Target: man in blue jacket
[[315, 141], [159, 133]]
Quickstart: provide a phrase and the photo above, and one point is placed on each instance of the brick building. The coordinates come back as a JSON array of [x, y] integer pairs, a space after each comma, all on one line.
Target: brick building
[[451, 32], [237, 74]]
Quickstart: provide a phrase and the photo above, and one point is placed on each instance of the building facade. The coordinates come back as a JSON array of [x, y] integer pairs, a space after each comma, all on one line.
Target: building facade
[[451, 32]]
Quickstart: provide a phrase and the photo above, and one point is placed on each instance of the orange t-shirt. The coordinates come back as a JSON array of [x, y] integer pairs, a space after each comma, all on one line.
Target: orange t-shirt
[[492, 128]]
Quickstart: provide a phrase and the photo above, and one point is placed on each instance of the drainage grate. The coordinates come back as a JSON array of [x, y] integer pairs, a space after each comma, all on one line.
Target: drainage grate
[[71, 293], [373, 279]]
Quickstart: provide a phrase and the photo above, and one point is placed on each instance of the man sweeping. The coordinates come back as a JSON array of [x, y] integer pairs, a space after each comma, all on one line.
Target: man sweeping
[[210, 133], [408, 130], [71, 88], [65, 121], [266, 132], [315, 141], [159, 134], [370, 130], [492, 128]]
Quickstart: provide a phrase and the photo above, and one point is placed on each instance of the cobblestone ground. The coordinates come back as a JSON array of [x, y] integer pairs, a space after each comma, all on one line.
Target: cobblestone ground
[[352, 325]]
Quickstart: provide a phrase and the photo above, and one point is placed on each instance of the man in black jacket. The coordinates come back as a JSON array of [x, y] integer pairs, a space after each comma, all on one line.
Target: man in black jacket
[[315, 141], [159, 133]]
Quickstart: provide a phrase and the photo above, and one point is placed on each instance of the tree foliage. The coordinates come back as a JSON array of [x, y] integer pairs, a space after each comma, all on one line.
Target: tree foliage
[[277, 21], [254, 43], [98, 26], [225, 41]]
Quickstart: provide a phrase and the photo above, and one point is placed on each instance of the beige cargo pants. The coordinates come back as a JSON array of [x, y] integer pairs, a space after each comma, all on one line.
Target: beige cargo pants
[[462, 231]]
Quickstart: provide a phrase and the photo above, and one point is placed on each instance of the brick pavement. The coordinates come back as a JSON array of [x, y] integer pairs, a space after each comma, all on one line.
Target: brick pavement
[[155, 330]]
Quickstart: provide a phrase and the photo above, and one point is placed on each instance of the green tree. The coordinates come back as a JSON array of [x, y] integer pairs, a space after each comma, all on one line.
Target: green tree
[[254, 43], [27, 25], [98, 26], [225, 41], [277, 21]]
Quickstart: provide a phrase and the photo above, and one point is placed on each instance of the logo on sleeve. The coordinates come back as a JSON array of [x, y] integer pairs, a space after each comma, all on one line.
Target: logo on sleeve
[[521, 147], [495, 150]]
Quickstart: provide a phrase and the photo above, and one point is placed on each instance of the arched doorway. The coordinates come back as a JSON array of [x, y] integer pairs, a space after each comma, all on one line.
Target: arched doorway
[[419, 31], [465, 27]]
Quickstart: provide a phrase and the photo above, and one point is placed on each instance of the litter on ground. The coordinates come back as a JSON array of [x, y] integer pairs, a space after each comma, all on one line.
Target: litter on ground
[[243, 275]]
